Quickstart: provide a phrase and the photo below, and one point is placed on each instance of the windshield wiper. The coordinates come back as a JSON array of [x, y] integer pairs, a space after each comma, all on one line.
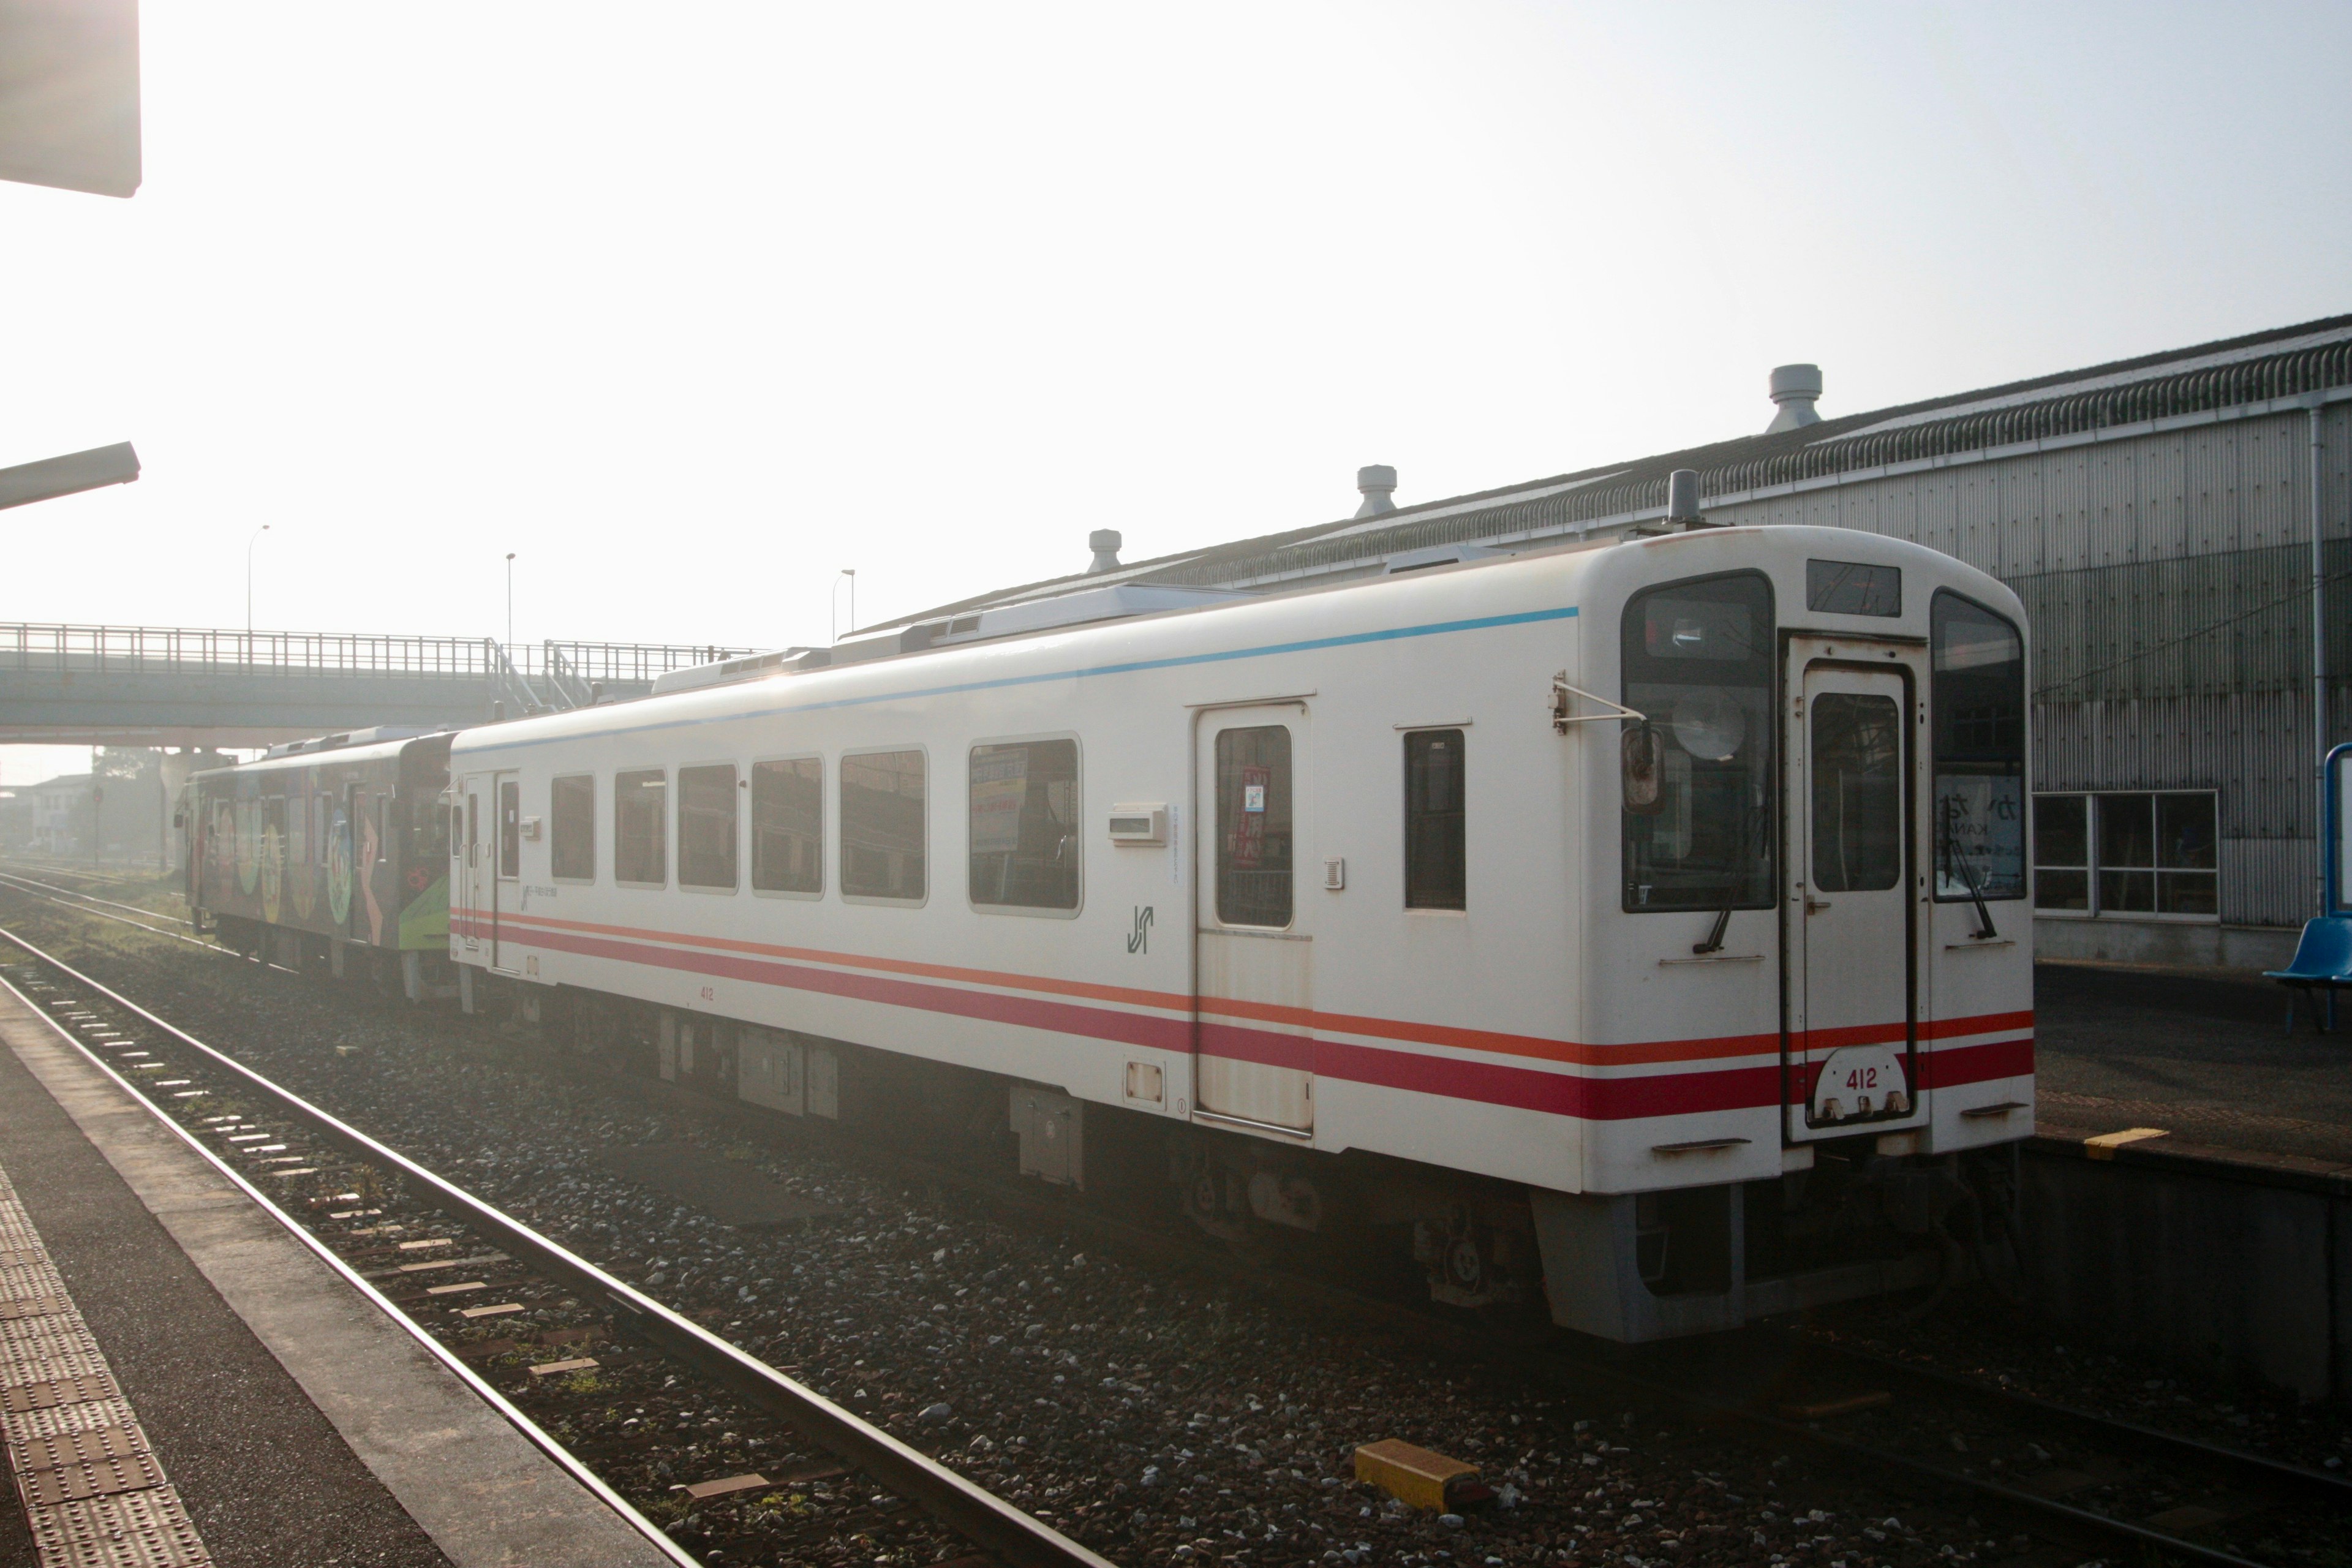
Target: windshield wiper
[[1714, 942], [1960, 862]]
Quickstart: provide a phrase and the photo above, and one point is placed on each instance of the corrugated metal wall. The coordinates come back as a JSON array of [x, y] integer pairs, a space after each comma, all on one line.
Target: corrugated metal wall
[[2168, 581]]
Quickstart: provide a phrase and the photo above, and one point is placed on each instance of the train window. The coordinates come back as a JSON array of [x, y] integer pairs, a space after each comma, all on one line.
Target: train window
[[1698, 660], [510, 828], [1853, 770], [428, 835], [788, 825], [1253, 826], [706, 827], [1978, 714], [1024, 825], [1851, 588], [640, 828], [572, 829], [882, 825], [1434, 876]]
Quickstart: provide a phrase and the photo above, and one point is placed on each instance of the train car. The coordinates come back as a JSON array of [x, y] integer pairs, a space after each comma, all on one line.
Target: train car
[[326, 851], [1636, 928]]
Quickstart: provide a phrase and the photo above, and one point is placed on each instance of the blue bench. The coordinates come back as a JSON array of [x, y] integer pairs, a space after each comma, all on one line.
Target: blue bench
[[2322, 963]]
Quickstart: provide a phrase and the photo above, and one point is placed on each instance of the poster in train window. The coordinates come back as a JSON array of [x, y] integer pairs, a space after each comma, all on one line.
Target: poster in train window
[[1977, 710], [1253, 826]]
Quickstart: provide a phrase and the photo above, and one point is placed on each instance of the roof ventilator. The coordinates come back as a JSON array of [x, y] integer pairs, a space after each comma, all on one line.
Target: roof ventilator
[[1794, 388], [1682, 509], [1105, 544], [1377, 483]]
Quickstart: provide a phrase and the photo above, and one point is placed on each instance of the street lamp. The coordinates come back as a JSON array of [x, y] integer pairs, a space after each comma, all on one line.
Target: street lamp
[[850, 572], [510, 555], [248, 586]]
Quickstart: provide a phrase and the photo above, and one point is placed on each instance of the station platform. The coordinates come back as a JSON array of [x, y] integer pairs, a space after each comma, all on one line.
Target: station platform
[[2202, 1055], [184, 1381]]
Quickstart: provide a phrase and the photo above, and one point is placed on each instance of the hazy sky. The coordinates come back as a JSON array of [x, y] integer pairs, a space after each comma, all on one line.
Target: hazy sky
[[692, 306]]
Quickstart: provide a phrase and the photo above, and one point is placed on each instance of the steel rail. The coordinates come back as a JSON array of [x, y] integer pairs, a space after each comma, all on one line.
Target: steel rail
[[538, 1435], [2114, 1429], [979, 1516], [92, 898], [1561, 1367]]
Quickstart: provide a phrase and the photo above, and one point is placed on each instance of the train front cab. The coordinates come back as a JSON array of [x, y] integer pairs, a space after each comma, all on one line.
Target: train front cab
[[1818, 927]]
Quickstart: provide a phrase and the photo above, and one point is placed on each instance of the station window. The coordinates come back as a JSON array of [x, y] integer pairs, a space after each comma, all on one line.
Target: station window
[[1435, 877], [2138, 853], [788, 825], [882, 825], [1978, 712], [706, 827], [1253, 826], [1697, 775], [572, 829], [641, 828], [1024, 825]]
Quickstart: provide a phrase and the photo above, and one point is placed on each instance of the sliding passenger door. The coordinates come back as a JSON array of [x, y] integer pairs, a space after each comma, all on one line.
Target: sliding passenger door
[[1254, 1006]]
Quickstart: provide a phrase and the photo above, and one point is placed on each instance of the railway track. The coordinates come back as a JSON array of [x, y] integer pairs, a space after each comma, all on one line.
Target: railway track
[[444, 1260], [2063, 1479]]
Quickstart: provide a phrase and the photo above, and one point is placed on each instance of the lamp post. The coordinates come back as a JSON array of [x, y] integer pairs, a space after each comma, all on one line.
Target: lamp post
[[850, 572], [510, 555], [248, 586]]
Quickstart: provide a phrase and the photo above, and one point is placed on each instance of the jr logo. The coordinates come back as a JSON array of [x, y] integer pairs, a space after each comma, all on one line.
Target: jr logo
[[1139, 939]]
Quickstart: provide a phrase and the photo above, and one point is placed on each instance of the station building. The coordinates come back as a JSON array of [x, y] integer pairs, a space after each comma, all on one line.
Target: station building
[[2177, 526]]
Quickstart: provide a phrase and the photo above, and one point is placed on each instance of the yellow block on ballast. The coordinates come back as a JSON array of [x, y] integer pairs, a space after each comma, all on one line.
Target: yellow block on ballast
[[2104, 1145], [1411, 1474]]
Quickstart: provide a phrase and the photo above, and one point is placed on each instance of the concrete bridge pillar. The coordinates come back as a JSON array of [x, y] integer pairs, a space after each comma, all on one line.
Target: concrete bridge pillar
[[176, 767]]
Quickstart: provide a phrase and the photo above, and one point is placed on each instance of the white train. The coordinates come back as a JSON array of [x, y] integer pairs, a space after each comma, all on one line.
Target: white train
[[1643, 920]]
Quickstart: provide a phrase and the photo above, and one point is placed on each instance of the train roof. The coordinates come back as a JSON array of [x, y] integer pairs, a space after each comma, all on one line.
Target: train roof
[[333, 751], [1142, 641]]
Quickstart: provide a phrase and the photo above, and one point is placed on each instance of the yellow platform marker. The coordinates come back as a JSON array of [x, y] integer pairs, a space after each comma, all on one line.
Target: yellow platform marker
[[1411, 1474]]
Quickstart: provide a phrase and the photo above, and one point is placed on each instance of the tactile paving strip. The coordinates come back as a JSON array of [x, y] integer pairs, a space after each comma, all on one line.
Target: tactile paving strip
[[94, 1495], [129, 1530]]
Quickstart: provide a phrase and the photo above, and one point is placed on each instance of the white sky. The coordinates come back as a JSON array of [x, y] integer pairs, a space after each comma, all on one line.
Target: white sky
[[692, 306]]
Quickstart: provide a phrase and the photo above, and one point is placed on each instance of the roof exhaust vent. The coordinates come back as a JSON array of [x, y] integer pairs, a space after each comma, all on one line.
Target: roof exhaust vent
[[1682, 500], [1378, 483], [1794, 388], [1105, 544]]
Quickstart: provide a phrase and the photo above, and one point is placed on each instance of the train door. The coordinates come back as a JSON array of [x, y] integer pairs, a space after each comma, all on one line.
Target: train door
[[506, 886], [351, 836], [1851, 1047], [475, 884], [1254, 970]]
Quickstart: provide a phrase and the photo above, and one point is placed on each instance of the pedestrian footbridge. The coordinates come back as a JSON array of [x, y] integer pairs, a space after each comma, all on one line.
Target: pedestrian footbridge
[[180, 686]]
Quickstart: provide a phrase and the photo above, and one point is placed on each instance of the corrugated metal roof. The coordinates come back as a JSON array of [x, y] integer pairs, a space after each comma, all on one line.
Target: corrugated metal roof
[[2280, 363]]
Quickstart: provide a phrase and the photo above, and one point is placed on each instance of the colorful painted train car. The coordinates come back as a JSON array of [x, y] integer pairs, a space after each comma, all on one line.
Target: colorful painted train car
[[325, 850]]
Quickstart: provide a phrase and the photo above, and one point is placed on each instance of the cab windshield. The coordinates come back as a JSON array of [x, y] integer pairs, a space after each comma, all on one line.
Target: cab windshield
[[1698, 664]]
